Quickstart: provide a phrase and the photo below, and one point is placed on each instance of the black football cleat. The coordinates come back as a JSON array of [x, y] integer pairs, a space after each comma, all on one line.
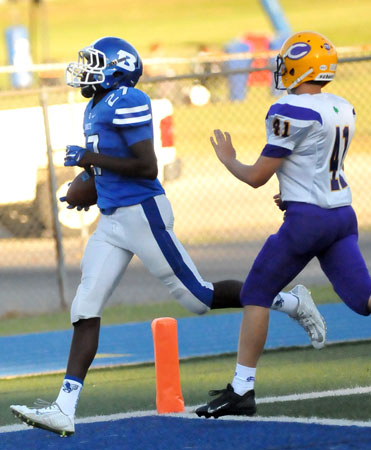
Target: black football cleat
[[228, 404]]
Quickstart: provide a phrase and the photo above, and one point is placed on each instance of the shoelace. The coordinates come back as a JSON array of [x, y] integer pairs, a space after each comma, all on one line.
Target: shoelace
[[39, 403], [308, 327], [214, 392]]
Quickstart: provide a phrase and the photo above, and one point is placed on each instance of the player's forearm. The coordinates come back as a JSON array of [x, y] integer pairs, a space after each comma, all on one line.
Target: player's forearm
[[245, 173], [129, 167]]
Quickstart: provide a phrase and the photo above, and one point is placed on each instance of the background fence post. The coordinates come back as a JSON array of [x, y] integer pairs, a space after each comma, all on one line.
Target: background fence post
[[57, 231]]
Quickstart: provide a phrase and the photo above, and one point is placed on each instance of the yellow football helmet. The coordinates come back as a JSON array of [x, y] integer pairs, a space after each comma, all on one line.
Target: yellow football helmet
[[305, 56]]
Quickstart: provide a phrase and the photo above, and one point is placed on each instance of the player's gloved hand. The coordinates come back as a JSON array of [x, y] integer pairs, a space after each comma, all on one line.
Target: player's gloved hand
[[78, 207], [74, 154]]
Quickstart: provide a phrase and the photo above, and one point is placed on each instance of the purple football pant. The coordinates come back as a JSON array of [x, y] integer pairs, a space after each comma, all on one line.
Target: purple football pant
[[309, 231]]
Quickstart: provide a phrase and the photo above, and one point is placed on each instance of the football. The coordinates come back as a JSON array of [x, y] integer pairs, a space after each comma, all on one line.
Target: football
[[81, 191]]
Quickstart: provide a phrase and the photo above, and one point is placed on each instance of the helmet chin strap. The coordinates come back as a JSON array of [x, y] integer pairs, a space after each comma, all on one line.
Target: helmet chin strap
[[298, 80], [89, 90]]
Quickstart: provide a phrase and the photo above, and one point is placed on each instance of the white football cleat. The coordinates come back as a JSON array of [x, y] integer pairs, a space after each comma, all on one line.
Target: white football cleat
[[308, 316], [47, 416]]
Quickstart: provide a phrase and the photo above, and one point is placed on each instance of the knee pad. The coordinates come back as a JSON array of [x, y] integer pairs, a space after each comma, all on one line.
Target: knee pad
[[189, 301]]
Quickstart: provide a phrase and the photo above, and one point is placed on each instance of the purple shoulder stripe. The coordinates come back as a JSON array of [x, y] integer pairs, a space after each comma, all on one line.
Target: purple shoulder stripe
[[294, 112], [274, 151]]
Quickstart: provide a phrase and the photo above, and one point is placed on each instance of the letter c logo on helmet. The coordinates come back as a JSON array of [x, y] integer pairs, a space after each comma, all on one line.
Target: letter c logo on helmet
[[298, 50]]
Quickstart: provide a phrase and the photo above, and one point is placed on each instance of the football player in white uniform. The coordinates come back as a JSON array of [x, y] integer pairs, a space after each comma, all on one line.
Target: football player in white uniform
[[136, 218], [308, 136]]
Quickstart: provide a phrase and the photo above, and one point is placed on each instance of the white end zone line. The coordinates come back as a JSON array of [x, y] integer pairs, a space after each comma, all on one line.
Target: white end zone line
[[189, 412]]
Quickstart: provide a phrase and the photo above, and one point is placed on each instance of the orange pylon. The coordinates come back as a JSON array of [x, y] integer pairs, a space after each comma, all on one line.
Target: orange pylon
[[169, 397]]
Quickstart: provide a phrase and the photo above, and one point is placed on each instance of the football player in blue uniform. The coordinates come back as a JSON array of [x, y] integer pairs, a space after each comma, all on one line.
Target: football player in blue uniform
[[136, 218], [308, 135]]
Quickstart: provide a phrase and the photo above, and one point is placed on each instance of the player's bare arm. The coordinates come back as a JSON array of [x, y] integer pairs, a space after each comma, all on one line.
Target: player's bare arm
[[255, 175], [142, 164]]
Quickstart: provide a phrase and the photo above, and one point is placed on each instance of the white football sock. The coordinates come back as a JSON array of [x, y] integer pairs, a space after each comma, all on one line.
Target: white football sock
[[244, 379], [69, 395], [286, 302]]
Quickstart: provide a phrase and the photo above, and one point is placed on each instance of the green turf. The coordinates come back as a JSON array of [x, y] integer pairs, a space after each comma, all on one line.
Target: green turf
[[131, 388]]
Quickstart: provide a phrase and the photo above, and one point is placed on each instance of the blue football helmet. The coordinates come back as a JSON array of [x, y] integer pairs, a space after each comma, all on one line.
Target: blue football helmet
[[109, 62]]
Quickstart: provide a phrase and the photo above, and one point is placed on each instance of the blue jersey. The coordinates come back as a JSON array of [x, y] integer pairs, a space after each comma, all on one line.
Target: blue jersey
[[121, 119]]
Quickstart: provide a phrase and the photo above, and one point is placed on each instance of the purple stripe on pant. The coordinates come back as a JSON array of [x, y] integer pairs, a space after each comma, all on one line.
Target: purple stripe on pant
[[309, 231]]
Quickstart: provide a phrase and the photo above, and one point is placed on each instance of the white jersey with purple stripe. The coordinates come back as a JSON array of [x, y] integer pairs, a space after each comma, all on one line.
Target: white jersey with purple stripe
[[313, 133], [121, 119]]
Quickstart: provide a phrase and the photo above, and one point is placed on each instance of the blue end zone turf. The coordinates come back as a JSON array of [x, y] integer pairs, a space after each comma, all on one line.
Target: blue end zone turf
[[197, 336], [172, 433]]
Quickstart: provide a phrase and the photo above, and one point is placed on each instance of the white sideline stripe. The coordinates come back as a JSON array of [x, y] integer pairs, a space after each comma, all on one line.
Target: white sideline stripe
[[132, 120], [191, 415], [189, 412], [313, 395]]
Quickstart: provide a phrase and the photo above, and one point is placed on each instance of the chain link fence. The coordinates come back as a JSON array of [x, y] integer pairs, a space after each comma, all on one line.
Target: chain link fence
[[221, 221]]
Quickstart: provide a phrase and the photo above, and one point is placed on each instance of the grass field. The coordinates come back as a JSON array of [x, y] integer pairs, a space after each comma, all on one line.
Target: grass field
[[295, 371], [132, 388]]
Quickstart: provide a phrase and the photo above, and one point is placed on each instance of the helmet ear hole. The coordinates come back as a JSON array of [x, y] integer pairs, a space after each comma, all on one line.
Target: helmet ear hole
[[118, 77], [292, 72]]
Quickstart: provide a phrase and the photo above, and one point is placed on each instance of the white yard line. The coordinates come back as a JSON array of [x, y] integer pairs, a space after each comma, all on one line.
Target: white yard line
[[189, 412], [313, 395]]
